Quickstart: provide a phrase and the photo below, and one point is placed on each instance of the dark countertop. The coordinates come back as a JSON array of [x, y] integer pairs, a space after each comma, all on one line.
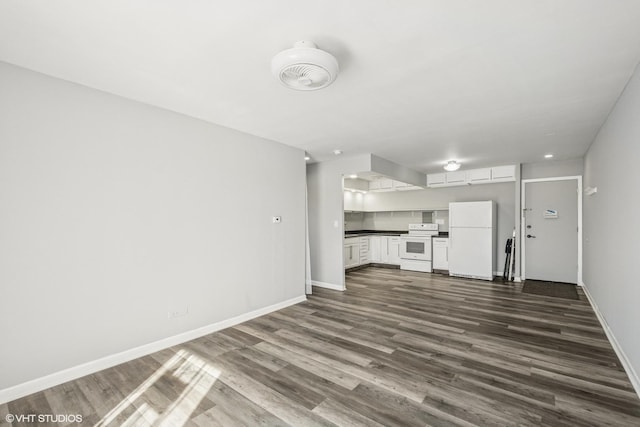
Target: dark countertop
[[358, 233]]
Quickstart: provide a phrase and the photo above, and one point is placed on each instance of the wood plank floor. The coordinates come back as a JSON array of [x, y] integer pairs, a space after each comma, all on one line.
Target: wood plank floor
[[397, 348]]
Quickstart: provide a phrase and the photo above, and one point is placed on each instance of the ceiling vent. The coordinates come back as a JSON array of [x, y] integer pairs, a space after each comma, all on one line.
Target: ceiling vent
[[305, 67]]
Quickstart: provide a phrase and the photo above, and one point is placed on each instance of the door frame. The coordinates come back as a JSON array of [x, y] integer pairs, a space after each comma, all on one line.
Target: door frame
[[523, 258]]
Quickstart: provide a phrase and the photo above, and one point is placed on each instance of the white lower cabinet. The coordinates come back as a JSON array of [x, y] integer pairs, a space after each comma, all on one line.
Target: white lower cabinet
[[440, 253], [364, 249], [351, 252], [390, 250], [394, 251], [367, 249], [375, 245]]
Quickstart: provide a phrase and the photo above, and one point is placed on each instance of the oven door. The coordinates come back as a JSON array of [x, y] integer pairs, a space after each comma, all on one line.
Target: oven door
[[418, 248]]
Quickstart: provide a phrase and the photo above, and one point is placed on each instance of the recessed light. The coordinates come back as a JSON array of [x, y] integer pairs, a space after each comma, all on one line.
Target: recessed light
[[548, 156], [337, 152], [307, 158], [353, 176]]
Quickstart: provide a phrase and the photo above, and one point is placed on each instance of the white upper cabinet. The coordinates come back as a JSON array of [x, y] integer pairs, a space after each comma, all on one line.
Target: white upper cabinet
[[473, 176], [434, 179], [479, 175], [503, 173], [457, 178], [386, 184], [353, 201]]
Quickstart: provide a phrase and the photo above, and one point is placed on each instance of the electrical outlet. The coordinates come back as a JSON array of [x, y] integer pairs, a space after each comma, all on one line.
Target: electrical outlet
[[177, 312], [277, 219]]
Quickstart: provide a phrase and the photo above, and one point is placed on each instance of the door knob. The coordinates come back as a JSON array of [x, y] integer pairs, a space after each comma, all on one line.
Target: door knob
[[529, 236]]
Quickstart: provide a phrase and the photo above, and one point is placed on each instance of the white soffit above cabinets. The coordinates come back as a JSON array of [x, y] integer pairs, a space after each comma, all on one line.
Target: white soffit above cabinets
[[485, 82]]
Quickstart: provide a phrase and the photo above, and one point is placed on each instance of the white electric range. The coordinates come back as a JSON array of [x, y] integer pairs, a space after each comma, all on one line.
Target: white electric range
[[415, 247]]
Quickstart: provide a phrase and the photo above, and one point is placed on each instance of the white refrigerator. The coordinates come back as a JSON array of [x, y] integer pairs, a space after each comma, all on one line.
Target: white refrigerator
[[472, 239]]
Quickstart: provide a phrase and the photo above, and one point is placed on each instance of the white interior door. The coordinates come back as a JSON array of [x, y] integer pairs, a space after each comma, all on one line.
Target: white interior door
[[551, 230]]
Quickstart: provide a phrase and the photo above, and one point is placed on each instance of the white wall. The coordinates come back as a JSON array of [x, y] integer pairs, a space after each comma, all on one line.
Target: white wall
[[553, 168], [111, 211], [438, 198], [611, 227]]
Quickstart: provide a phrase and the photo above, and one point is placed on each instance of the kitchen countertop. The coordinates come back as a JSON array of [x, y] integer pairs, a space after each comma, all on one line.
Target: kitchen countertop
[[358, 233]]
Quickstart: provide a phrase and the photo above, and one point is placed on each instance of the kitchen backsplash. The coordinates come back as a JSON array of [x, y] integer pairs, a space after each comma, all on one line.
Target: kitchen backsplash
[[396, 220]]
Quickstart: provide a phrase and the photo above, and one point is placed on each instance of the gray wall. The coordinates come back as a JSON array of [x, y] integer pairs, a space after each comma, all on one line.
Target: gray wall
[[113, 211], [326, 215], [437, 198], [552, 168], [611, 227]]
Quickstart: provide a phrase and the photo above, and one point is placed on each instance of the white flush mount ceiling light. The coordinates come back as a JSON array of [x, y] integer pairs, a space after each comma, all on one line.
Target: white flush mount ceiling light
[[548, 156], [337, 152], [305, 67], [451, 166]]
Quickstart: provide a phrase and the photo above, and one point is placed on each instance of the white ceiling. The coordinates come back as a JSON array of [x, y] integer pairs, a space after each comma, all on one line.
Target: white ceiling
[[486, 82]]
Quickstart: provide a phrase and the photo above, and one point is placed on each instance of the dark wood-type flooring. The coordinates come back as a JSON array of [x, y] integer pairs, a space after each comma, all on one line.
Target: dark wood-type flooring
[[397, 348]]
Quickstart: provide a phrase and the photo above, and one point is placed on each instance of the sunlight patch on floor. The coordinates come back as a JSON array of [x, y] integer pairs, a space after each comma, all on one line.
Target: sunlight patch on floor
[[198, 377]]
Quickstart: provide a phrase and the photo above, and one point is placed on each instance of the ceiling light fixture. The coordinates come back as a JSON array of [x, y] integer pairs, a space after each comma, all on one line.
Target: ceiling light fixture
[[548, 156], [305, 67], [337, 152], [307, 158], [451, 166], [353, 176]]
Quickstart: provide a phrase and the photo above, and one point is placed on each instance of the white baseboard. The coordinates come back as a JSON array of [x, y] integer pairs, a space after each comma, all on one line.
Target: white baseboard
[[631, 373], [328, 285], [39, 384]]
